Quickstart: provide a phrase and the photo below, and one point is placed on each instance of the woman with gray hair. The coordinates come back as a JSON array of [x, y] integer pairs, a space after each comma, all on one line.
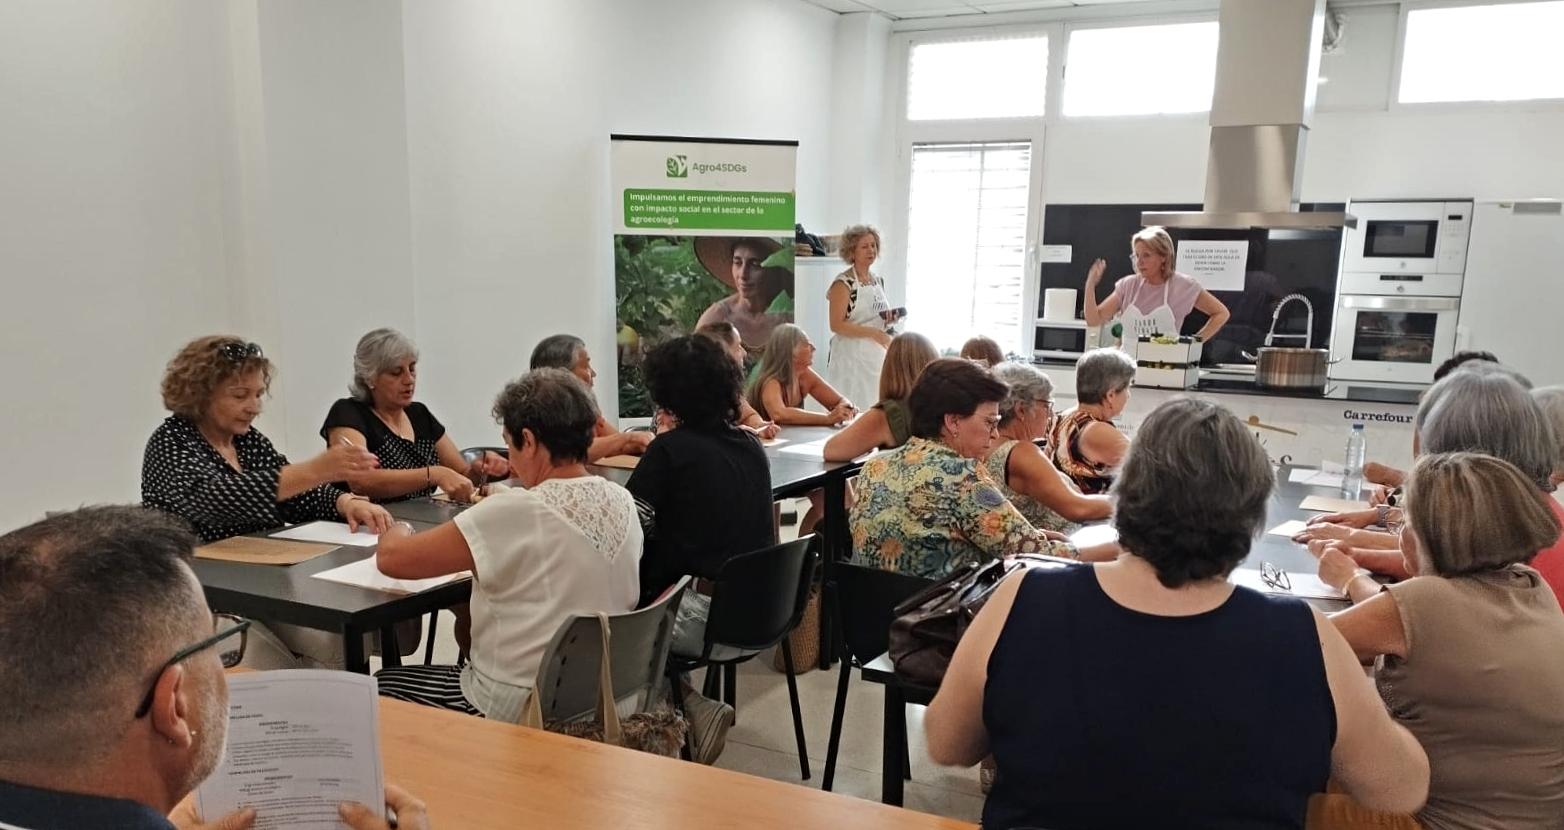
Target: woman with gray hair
[[568, 543], [1086, 445], [1467, 652], [1023, 472], [569, 352], [1481, 408], [1551, 399], [416, 455], [1180, 684]]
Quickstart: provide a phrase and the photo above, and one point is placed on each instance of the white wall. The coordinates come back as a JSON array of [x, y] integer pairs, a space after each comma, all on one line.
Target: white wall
[[111, 234], [509, 108]]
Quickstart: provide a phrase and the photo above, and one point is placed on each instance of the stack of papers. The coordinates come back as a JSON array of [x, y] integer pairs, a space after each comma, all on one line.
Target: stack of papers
[[329, 533], [365, 574], [256, 551]]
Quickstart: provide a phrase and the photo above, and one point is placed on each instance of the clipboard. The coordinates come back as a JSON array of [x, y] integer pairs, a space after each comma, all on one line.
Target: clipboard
[[255, 550], [619, 462]]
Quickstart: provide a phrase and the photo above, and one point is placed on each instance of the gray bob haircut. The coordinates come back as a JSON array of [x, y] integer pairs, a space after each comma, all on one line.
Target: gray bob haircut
[[557, 351], [378, 351], [1492, 413], [1101, 371], [1028, 385]]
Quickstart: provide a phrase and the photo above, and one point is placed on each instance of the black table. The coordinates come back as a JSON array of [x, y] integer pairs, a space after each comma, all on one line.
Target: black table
[[291, 594]]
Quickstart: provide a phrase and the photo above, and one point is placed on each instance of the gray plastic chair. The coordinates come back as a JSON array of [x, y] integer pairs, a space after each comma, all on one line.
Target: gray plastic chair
[[568, 675]]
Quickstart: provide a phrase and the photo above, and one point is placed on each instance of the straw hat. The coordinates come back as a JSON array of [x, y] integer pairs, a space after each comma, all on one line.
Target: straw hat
[[716, 253]]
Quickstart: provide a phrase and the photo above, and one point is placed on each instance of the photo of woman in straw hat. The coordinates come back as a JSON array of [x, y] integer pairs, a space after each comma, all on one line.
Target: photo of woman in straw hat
[[762, 295]]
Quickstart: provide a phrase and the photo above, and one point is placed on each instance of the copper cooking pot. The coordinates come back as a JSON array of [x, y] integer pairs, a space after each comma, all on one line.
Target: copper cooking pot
[[1279, 367]]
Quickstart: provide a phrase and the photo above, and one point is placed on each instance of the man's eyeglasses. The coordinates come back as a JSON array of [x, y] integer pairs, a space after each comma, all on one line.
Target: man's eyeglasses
[[226, 626], [1274, 577], [239, 352]]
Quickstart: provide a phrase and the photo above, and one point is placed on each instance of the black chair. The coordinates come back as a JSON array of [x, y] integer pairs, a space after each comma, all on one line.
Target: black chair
[[865, 603], [757, 600]]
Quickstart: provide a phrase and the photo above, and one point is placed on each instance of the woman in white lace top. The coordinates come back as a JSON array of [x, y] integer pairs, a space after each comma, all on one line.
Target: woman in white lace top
[[570, 543]]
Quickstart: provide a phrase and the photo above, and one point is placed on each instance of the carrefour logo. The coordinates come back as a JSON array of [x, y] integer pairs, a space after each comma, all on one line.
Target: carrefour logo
[[679, 167]]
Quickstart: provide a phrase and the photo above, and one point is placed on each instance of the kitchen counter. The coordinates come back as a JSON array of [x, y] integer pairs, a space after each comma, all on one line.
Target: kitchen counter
[[1225, 383]]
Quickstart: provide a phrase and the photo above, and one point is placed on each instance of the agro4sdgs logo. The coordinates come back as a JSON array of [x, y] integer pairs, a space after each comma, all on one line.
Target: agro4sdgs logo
[[678, 167]]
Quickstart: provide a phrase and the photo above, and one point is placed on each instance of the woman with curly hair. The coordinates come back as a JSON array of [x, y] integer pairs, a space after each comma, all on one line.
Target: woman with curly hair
[[1176, 693], [208, 465], [704, 492]]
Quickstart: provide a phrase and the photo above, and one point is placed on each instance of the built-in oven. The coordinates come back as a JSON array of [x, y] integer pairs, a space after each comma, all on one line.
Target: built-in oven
[[1396, 339], [1406, 248], [1063, 339]]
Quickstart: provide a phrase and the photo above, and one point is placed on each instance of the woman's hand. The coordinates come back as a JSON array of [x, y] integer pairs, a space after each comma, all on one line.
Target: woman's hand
[[1095, 272], [1327, 532], [766, 431], [457, 486], [1377, 473], [1352, 518], [343, 461], [411, 814], [360, 512], [635, 443], [883, 338], [1337, 567], [842, 412]]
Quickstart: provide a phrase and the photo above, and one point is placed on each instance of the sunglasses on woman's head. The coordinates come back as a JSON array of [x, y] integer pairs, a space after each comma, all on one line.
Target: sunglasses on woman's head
[[239, 352]]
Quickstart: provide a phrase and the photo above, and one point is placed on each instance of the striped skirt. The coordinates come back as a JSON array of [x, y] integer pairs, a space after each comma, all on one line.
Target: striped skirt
[[437, 686]]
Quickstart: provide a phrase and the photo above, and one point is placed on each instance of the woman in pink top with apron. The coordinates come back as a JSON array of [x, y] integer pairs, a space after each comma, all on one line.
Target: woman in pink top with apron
[[1155, 299]]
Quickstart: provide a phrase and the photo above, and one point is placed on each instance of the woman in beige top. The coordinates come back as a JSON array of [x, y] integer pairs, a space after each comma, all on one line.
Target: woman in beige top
[[1469, 653]]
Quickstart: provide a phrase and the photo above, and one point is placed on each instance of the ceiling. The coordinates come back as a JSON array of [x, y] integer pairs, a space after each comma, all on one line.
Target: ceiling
[[905, 9]]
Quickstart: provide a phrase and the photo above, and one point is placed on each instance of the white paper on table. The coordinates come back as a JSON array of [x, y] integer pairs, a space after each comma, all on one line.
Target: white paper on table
[[331, 533], [815, 449], [365, 574], [1326, 504], [1321, 478], [1097, 534], [300, 742], [1305, 585], [1289, 528], [772, 442]]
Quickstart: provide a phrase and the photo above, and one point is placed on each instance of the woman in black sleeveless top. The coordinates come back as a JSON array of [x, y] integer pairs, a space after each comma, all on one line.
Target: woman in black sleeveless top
[[1151, 692]]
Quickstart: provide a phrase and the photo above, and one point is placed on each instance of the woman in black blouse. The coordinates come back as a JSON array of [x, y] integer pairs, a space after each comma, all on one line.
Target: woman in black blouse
[[207, 465], [415, 453]]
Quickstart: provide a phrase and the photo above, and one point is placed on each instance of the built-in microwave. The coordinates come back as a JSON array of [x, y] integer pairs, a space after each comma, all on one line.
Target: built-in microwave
[[1406, 248], [1063, 339]]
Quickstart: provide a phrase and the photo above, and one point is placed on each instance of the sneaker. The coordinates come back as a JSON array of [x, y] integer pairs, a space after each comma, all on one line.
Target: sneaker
[[710, 721]]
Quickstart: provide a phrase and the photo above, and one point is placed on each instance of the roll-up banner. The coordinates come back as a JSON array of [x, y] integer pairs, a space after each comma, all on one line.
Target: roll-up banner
[[703, 233]]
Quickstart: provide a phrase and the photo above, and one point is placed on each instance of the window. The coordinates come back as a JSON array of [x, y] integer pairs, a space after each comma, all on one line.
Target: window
[[1483, 53], [996, 78], [1140, 70], [966, 240]]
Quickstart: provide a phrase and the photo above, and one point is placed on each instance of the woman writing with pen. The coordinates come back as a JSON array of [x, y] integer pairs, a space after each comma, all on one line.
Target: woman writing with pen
[[416, 455]]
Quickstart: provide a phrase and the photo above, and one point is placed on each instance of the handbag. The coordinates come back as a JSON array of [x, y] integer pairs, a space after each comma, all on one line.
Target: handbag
[[926, 626], [660, 731]]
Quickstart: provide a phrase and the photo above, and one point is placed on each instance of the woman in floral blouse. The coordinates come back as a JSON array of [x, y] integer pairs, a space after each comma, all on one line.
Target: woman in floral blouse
[[929, 507]]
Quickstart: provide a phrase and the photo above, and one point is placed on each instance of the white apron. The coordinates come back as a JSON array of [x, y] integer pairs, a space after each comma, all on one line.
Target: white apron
[[1159, 320], [853, 367]]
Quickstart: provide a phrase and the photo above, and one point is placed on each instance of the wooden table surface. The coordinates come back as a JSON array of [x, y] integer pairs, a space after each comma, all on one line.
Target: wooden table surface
[[475, 773]]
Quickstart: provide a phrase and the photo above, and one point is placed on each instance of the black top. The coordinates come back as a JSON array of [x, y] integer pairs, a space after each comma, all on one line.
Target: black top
[[394, 451], [709, 493], [1103, 717], [35, 809], [184, 475]]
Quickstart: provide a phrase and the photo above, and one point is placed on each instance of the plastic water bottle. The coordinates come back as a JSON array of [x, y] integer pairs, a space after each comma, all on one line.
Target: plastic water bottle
[[1357, 451]]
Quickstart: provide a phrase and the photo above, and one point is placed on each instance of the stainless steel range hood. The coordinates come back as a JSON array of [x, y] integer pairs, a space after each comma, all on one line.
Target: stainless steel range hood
[[1267, 65]]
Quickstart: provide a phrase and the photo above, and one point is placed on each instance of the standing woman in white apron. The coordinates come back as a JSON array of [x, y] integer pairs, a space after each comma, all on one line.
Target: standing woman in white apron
[[1155, 299], [861, 319]]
